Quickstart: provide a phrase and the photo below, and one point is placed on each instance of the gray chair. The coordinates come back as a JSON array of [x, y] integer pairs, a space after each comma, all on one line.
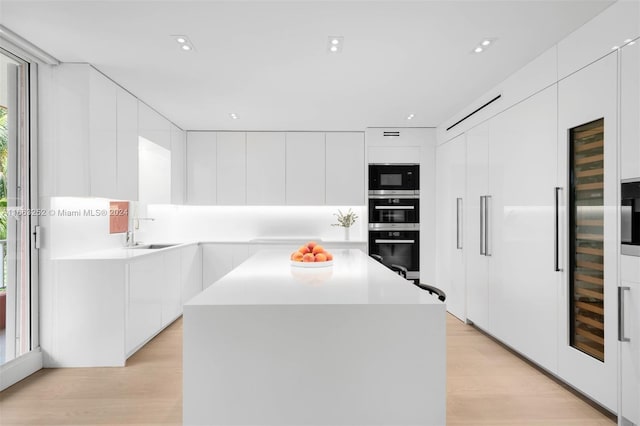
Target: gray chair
[[402, 271]]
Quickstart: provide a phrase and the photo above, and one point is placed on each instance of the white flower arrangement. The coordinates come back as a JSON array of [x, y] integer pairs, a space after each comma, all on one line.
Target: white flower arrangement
[[345, 220]]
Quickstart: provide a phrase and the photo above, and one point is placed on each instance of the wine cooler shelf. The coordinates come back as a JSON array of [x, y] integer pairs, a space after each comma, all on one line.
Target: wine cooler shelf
[[587, 238]]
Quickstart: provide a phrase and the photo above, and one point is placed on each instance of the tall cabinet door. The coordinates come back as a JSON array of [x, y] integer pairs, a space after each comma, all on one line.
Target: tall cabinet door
[[450, 199], [588, 349], [266, 168], [201, 168], [629, 380], [305, 168], [232, 168], [477, 263], [523, 282]]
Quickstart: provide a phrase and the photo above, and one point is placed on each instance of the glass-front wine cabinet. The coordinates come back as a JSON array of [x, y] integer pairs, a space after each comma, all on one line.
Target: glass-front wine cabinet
[[586, 227]]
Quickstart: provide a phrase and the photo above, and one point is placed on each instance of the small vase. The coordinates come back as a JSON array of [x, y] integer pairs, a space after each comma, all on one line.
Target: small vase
[[346, 233]]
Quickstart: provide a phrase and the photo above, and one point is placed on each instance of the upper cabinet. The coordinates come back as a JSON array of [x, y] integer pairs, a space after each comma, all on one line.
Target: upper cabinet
[[109, 144], [266, 167], [178, 165], [102, 135], [232, 168], [344, 169], [630, 111], [127, 145], [201, 168], [275, 168], [305, 166]]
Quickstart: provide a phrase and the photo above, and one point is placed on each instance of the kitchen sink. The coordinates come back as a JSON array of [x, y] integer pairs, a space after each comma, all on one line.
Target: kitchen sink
[[153, 246]]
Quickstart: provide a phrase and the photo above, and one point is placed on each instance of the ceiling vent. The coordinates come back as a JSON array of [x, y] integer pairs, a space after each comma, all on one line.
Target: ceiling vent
[[391, 134], [474, 112]]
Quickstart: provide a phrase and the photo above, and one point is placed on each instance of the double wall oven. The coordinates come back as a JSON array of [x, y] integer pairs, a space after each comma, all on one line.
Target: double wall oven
[[394, 215]]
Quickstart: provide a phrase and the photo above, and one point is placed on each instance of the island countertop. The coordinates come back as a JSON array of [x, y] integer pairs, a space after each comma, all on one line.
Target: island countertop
[[268, 278]]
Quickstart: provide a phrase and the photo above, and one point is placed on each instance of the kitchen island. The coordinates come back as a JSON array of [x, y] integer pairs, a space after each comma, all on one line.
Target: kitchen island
[[349, 344]]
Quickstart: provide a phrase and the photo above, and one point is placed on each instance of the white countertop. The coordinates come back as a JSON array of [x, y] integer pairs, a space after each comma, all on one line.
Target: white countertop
[[120, 253], [268, 278], [126, 253]]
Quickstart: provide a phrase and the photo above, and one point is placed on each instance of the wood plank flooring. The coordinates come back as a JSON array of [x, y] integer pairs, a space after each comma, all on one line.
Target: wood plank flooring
[[486, 385]]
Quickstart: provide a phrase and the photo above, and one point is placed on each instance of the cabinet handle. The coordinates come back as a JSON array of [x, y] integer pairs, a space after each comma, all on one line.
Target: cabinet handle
[[556, 230], [621, 336], [395, 241], [482, 223], [458, 223], [487, 199]]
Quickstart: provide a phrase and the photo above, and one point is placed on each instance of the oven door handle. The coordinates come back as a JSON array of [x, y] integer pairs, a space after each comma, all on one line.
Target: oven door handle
[[394, 208], [395, 241]]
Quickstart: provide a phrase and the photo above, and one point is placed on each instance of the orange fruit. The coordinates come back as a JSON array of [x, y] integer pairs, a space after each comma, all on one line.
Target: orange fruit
[[297, 256], [317, 249], [329, 255], [311, 245], [321, 257], [304, 249], [308, 257]]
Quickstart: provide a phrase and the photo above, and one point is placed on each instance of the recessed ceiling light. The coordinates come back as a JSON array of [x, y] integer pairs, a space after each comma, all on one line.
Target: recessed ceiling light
[[183, 41], [478, 49], [486, 42], [615, 48], [631, 43], [410, 116], [334, 44], [233, 115], [627, 40]]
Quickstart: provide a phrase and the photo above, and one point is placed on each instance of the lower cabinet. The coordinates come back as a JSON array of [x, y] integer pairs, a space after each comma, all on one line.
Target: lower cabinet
[[219, 259], [629, 376], [107, 309]]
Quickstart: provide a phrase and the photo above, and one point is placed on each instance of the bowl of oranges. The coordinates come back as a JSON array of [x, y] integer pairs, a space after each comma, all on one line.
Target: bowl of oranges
[[311, 255]]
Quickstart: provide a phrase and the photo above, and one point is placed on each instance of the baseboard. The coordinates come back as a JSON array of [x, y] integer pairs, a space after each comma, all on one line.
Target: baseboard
[[17, 369]]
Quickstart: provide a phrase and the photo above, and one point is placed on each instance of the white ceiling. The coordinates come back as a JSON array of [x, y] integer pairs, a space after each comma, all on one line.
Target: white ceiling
[[267, 61]]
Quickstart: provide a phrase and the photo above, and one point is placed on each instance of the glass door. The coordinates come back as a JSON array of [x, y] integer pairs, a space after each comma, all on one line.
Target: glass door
[[586, 221], [15, 219]]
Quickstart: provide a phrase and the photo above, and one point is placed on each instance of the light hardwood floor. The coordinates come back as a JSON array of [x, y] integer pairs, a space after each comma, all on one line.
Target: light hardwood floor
[[486, 385]]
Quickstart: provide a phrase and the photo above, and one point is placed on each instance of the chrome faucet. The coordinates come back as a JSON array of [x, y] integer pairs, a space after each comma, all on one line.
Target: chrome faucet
[[130, 240]]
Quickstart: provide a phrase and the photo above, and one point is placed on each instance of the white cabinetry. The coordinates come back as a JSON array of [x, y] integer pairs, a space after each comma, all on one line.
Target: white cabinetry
[[345, 173], [629, 404], [85, 154], [266, 168], [588, 95], [630, 111], [305, 168], [220, 259], [231, 168], [201, 168], [144, 311], [102, 135], [191, 268], [127, 145], [523, 283], [106, 309], [178, 165], [477, 264], [153, 127], [450, 199]]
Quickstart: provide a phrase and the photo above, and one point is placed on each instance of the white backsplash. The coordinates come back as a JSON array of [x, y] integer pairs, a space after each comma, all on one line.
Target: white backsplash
[[71, 229], [242, 223]]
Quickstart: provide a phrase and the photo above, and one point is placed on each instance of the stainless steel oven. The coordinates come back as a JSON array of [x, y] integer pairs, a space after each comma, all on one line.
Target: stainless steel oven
[[387, 212], [630, 217], [400, 247], [394, 179]]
